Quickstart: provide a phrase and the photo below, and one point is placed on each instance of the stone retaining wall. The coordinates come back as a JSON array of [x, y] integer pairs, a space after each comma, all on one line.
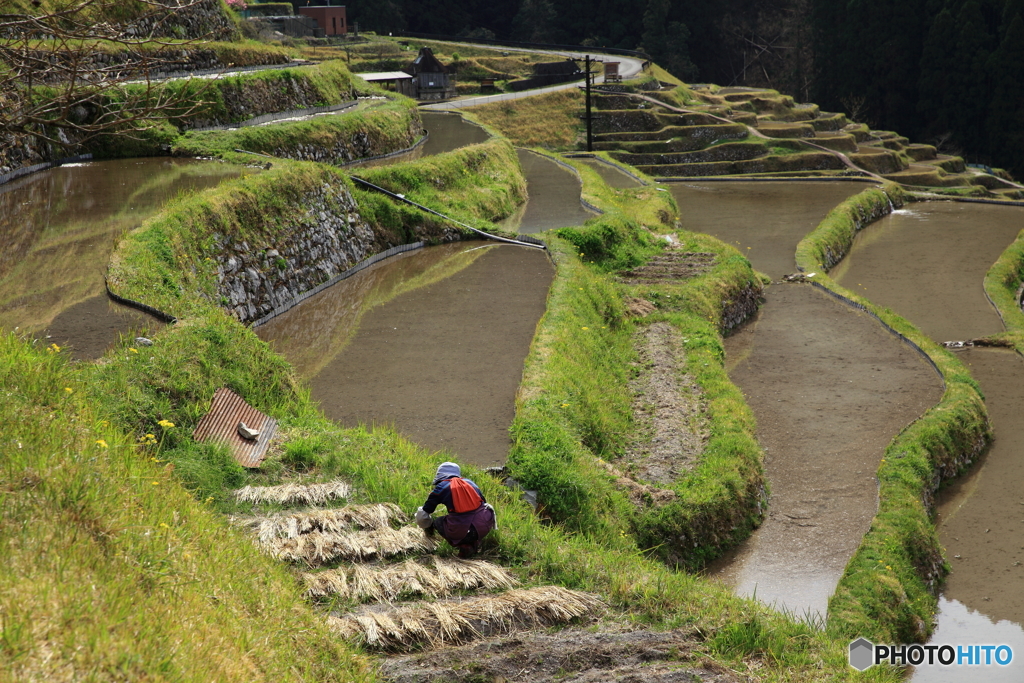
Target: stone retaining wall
[[325, 237]]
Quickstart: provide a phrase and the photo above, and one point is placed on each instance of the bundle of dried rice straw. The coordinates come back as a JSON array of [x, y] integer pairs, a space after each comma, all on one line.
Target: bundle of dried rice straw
[[375, 516], [316, 548], [294, 494], [386, 583], [454, 621]]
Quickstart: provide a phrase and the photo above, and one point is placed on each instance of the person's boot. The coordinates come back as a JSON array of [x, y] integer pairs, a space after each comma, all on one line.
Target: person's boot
[[429, 532], [466, 552]]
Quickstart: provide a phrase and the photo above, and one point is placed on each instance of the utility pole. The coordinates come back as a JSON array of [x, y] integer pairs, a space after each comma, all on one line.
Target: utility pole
[[590, 134]]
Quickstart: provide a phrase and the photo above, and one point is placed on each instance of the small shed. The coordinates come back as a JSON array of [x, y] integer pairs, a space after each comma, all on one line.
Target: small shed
[[431, 79], [396, 81], [331, 18]]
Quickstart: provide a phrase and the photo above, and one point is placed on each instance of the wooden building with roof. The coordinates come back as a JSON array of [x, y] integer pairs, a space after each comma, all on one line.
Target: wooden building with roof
[[431, 80]]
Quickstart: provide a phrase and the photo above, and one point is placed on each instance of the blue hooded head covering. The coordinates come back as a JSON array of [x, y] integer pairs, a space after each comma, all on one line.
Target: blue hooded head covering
[[445, 470]]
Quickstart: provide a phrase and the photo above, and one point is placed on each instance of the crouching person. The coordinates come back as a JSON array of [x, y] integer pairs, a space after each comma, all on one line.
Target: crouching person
[[469, 517]]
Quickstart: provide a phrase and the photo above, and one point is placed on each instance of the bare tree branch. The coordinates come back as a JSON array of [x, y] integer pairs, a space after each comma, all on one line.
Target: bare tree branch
[[75, 69]]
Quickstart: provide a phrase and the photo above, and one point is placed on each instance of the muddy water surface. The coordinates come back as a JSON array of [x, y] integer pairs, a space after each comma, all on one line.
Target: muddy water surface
[[442, 361], [554, 197], [447, 132], [927, 262], [764, 220], [611, 175], [57, 231], [828, 385], [830, 388]]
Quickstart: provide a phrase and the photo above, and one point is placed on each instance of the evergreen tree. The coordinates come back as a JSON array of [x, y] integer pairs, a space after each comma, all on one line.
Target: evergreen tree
[[667, 42], [936, 96], [970, 79], [1005, 125], [535, 22]]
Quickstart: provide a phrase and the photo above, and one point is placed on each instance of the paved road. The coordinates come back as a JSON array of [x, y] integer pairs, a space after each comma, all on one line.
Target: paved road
[[629, 67]]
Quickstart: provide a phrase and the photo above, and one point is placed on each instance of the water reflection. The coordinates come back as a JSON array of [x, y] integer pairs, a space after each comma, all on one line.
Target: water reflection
[[554, 197], [433, 341], [58, 229]]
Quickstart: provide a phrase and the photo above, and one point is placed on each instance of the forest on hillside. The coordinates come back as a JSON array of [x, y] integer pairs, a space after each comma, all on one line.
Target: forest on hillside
[[948, 72]]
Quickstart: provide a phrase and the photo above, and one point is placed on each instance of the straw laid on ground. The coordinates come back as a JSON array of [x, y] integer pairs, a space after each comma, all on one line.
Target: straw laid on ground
[[294, 494], [386, 583], [317, 548], [437, 623], [377, 516]]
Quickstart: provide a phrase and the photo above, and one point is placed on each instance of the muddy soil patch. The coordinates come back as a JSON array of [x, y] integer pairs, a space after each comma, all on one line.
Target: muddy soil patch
[[668, 408], [830, 387], [670, 266], [571, 655]]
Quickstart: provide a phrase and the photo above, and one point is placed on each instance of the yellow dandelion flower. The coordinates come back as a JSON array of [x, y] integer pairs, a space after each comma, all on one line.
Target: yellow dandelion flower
[[53, 348], [586, 328], [101, 443], [156, 483], [133, 350], [68, 389], [166, 424], [163, 525], [565, 405]]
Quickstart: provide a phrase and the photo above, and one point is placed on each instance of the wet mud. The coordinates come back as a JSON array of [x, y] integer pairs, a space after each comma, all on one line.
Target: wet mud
[[928, 262], [442, 362], [57, 231], [612, 176], [554, 197], [764, 220], [447, 133], [830, 388]]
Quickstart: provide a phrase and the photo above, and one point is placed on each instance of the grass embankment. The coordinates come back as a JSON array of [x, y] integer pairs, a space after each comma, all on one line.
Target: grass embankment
[[201, 102], [1003, 285], [476, 184], [113, 571], [574, 409], [384, 128], [550, 121], [888, 591]]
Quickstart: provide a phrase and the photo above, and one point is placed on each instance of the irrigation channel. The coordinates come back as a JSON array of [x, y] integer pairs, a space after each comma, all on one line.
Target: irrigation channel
[[927, 262], [829, 386], [57, 231]]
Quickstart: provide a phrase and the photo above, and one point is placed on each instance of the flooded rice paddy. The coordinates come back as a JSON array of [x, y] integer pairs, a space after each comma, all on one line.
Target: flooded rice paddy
[[446, 133], [927, 262], [611, 175], [554, 197], [829, 388], [432, 342], [57, 231]]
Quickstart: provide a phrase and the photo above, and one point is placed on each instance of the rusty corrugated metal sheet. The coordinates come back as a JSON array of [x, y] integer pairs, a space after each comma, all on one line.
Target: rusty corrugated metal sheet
[[228, 409]]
